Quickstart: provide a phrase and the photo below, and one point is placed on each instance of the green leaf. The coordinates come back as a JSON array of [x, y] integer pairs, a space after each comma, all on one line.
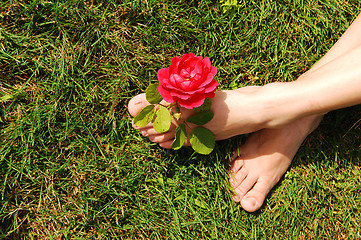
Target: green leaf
[[202, 140], [152, 94], [145, 116], [162, 120], [205, 106], [201, 118], [180, 136]]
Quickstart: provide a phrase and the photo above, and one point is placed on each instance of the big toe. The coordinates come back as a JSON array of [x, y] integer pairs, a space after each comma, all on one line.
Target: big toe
[[137, 103], [251, 204], [254, 199]]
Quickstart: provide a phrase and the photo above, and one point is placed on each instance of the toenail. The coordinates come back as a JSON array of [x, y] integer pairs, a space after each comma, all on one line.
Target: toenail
[[144, 133], [251, 201], [236, 198]]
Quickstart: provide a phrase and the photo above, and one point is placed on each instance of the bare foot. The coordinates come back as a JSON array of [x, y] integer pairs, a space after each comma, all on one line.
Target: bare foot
[[260, 163], [234, 113]]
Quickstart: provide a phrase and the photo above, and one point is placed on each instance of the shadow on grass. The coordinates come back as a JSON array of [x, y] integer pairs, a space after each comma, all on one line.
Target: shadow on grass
[[221, 154], [7, 230], [339, 133]]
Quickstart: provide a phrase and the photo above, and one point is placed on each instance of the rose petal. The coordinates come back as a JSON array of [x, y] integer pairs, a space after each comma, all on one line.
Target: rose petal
[[189, 55], [177, 80], [163, 76], [210, 77], [197, 77], [196, 91], [169, 87], [186, 85], [186, 57], [199, 90], [195, 101], [184, 73], [198, 68], [207, 62], [179, 95], [210, 95], [185, 65], [180, 91], [188, 60], [175, 61], [211, 87], [173, 68], [165, 94]]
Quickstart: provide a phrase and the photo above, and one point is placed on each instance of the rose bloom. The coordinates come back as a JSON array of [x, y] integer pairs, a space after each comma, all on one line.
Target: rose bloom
[[188, 80]]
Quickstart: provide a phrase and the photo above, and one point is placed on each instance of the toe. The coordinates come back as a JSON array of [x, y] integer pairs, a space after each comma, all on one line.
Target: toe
[[144, 132], [159, 138], [236, 178], [244, 187], [250, 204], [136, 104], [166, 144], [149, 125], [151, 131], [254, 199], [236, 154], [236, 165]]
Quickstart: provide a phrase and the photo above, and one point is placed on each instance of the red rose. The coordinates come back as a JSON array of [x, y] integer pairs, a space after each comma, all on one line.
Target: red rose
[[188, 80]]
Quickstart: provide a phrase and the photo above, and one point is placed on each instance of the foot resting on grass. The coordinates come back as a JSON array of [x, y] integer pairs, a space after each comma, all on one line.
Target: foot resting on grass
[[259, 164], [287, 113]]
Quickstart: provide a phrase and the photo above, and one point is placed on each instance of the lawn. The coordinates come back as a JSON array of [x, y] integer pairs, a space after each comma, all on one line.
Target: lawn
[[72, 166]]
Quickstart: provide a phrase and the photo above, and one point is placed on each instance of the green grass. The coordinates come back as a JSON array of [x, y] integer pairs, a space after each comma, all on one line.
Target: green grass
[[71, 165]]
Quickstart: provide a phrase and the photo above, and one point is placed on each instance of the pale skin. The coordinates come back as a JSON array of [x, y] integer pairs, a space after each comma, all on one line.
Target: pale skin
[[281, 115]]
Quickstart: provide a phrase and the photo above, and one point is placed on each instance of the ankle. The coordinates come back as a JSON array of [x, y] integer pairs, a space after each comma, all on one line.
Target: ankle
[[309, 123], [279, 104]]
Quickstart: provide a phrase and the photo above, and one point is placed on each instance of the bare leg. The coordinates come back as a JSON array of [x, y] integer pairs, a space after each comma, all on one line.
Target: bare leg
[[259, 164]]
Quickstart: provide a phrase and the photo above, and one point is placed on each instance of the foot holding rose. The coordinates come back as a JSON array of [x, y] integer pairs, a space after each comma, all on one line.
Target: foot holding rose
[[185, 86], [263, 159]]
